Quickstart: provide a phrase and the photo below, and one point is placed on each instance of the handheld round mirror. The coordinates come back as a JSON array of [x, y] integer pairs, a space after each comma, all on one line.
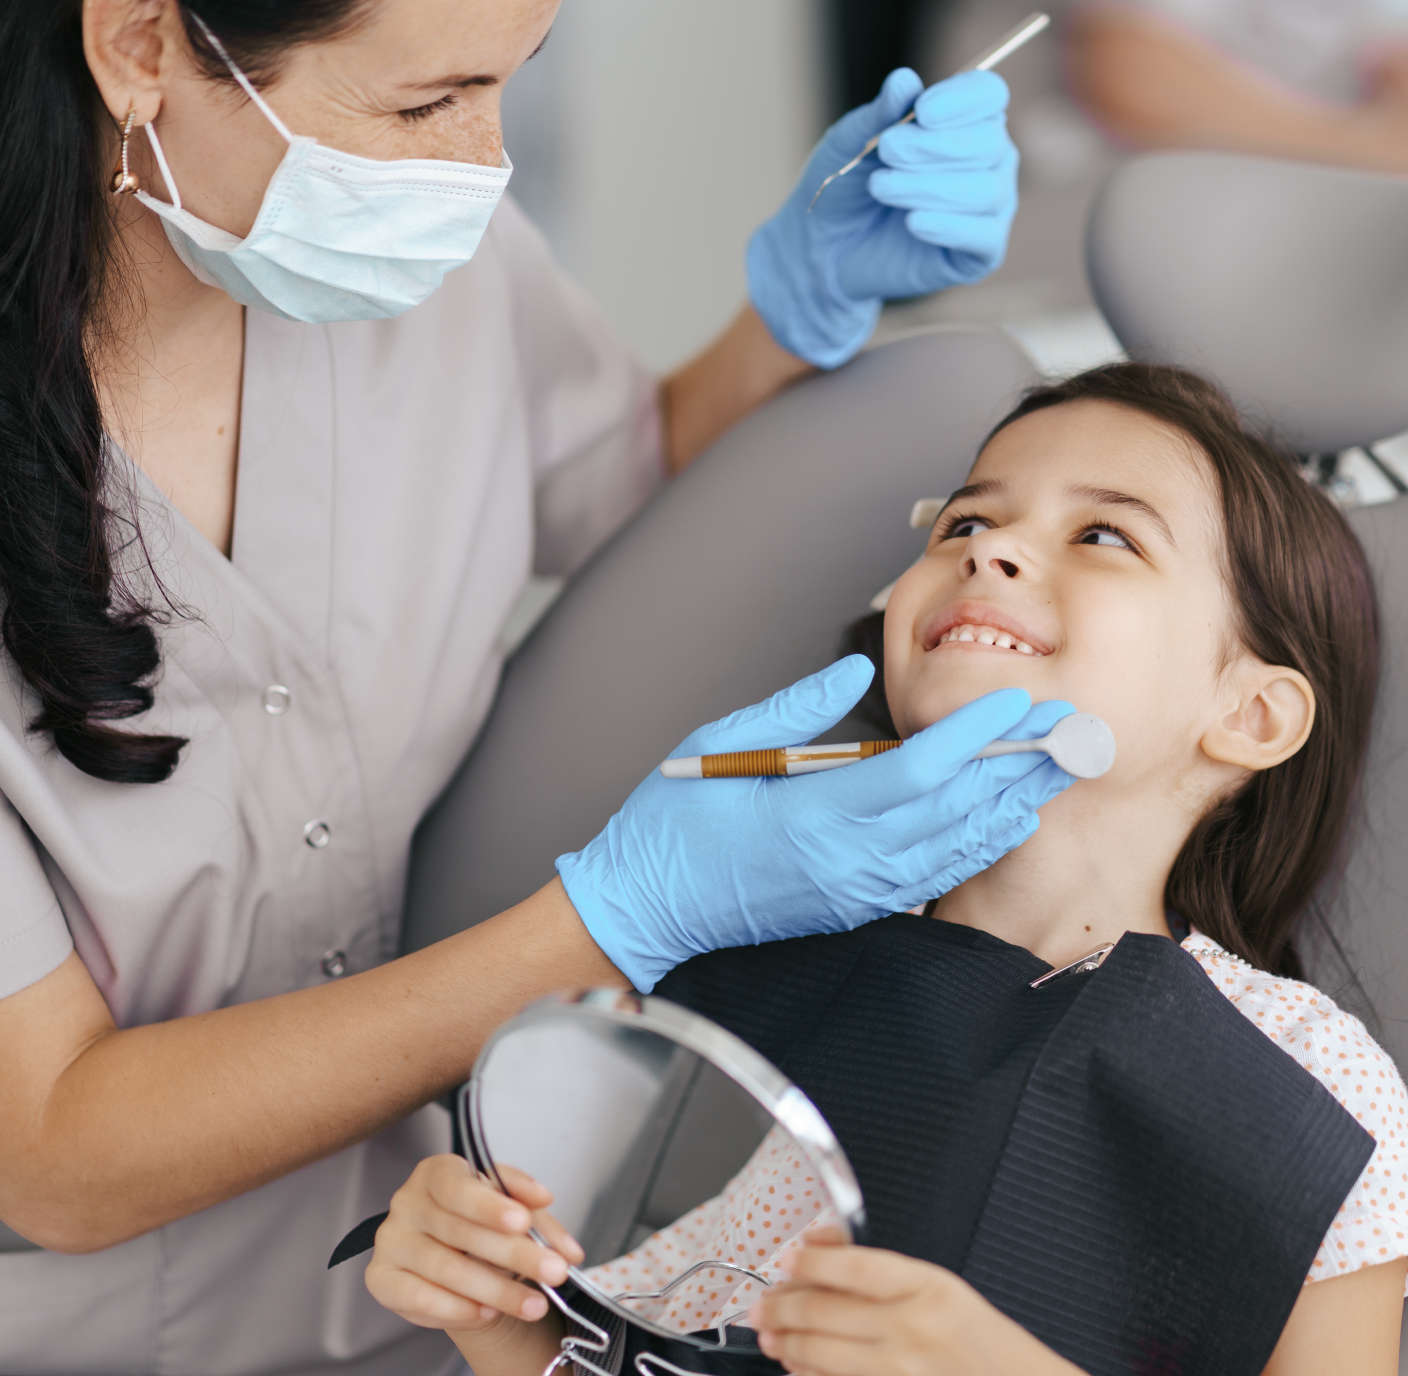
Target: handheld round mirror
[[657, 1131]]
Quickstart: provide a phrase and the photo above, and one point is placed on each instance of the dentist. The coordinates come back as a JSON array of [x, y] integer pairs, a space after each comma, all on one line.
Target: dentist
[[291, 404]]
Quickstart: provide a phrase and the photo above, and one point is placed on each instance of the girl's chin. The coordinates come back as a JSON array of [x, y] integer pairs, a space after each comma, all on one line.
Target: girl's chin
[[924, 710], [912, 723]]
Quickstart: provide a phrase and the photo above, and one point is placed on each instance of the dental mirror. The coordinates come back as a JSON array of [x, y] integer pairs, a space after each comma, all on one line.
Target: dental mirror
[[1080, 743], [679, 1158]]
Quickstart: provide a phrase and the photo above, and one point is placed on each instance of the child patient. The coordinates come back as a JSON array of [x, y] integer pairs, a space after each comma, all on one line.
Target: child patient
[[1121, 544]]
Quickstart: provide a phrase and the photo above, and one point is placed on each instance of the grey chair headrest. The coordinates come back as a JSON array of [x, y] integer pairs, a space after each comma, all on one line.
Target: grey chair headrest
[[1360, 954], [737, 579], [1287, 282]]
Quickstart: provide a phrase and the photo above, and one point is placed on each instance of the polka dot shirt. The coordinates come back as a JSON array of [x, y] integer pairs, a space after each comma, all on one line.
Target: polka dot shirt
[[1372, 1224], [774, 1199]]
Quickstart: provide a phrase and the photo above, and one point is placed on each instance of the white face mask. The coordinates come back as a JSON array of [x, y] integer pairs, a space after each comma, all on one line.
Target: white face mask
[[337, 237]]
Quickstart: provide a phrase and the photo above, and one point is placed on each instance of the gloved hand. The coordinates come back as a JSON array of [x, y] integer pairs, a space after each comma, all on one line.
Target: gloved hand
[[688, 865], [935, 213]]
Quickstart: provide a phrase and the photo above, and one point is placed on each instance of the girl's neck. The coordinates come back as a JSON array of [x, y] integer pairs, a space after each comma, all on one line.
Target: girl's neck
[[1095, 869]]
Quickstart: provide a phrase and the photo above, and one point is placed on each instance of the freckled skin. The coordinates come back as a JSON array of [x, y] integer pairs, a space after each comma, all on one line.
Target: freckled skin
[[350, 94]]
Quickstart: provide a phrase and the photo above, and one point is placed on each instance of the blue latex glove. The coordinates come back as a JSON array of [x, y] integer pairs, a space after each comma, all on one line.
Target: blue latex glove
[[933, 210], [688, 865]]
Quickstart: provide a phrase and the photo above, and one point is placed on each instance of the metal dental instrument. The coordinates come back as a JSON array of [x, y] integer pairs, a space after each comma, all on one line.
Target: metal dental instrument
[[1032, 25], [1093, 960], [1080, 743]]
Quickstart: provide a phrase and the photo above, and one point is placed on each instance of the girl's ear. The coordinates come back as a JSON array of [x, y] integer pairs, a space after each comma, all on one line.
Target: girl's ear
[[1270, 722]]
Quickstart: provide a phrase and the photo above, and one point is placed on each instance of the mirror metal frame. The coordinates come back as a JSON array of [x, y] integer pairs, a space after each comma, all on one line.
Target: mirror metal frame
[[752, 1072]]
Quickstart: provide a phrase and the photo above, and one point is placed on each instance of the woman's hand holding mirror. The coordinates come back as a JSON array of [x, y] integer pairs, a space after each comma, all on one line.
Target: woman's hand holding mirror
[[452, 1247]]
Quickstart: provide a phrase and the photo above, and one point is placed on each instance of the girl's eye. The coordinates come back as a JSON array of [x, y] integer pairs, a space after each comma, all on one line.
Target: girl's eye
[[1105, 535], [421, 111], [961, 527]]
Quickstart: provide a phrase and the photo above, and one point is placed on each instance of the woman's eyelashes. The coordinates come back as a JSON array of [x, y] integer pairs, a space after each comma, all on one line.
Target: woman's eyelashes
[[422, 111]]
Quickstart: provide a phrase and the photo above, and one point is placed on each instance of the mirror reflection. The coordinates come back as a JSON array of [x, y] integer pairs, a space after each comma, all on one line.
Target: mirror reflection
[[683, 1188]]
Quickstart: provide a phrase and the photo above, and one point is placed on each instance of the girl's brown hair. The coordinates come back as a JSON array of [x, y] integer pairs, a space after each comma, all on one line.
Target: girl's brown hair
[[1303, 597]]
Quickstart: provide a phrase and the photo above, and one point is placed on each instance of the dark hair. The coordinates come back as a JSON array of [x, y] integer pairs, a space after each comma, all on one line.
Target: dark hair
[[1303, 597], [82, 640]]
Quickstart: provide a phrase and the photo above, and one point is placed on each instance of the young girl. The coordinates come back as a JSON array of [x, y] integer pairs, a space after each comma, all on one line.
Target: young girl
[[1123, 545]]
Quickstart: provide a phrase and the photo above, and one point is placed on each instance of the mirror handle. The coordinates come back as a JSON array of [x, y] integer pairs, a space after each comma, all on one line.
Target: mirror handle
[[579, 1348]]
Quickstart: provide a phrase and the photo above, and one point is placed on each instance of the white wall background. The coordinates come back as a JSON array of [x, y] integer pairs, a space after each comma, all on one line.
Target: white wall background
[[650, 137]]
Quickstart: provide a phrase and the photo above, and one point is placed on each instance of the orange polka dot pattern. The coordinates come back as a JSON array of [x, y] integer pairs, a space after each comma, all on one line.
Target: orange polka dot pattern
[[759, 1217], [1372, 1224]]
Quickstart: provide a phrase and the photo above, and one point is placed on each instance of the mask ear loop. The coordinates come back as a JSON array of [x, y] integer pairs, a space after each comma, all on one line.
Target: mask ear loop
[[242, 79], [161, 162], [249, 90]]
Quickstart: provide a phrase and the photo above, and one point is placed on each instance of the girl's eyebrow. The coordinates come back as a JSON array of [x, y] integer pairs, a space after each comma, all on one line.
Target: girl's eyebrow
[[986, 488], [1108, 496]]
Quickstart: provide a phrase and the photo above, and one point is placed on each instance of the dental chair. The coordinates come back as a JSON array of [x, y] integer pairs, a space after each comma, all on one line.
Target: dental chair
[[736, 580], [1288, 283]]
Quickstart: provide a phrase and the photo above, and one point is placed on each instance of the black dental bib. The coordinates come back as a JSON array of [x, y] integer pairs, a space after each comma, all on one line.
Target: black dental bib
[[1118, 1160]]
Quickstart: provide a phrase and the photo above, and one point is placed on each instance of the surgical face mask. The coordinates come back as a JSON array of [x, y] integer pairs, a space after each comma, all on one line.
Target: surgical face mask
[[337, 237]]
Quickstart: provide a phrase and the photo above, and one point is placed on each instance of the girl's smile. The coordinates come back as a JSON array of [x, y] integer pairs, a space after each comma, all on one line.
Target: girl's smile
[[979, 625]]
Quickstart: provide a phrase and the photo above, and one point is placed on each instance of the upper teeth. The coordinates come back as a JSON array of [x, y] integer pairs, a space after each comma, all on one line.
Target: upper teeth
[[987, 635]]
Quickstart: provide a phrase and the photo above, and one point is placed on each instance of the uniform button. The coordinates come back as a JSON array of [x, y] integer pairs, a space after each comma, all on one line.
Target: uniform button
[[334, 964], [277, 699], [317, 834]]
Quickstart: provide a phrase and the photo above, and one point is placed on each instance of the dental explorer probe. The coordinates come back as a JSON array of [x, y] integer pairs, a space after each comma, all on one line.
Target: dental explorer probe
[[1008, 44], [1080, 743]]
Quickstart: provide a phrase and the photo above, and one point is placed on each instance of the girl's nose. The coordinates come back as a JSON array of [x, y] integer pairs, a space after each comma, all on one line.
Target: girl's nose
[[993, 551]]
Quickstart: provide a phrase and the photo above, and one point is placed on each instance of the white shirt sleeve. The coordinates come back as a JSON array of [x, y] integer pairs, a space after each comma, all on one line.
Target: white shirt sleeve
[[34, 938], [593, 410], [1372, 1224]]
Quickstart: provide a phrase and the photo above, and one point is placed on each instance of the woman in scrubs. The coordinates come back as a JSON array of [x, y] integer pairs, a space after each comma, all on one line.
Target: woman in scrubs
[[267, 492]]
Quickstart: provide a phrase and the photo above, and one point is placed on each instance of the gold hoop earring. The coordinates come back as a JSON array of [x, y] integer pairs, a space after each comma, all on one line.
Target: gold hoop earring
[[124, 181]]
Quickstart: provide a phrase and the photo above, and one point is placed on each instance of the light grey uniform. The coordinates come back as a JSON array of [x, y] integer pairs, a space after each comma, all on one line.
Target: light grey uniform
[[398, 482]]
